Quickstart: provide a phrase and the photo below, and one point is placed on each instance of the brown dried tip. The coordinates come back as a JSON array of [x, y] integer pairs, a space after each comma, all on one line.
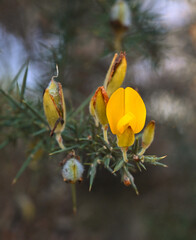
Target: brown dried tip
[[104, 95], [126, 181], [118, 26], [118, 61], [70, 155]]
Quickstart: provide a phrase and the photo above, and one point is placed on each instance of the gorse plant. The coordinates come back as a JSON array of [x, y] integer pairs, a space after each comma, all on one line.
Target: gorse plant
[[81, 139]]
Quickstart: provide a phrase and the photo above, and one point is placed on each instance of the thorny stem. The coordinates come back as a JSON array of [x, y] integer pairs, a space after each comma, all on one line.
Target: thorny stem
[[105, 133], [124, 153]]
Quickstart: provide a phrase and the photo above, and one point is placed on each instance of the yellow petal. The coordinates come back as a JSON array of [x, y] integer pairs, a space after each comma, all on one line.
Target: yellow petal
[[135, 105], [126, 102], [126, 139], [127, 120], [115, 109]]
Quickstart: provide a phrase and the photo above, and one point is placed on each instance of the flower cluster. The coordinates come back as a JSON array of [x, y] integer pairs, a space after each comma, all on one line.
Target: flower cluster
[[113, 80], [123, 109]]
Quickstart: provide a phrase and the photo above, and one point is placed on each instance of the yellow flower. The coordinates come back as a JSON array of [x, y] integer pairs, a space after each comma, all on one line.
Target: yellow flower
[[97, 108], [116, 73], [126, 113]]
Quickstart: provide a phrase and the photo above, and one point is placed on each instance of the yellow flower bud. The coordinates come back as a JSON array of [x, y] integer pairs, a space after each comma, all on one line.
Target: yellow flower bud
[[116, 73], [97, 108], [100, 100], [148, 136], [54, 107], [92, 112]]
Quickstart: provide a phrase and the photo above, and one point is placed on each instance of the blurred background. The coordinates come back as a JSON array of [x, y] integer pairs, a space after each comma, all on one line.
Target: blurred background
[[79, 36]]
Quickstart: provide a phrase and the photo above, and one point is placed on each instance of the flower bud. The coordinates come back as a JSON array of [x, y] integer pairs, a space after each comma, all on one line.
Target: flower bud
[[54, 106], [92, 112], [148, 136], [120, 16], [116, 73], [99, 102], [72, 171]]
